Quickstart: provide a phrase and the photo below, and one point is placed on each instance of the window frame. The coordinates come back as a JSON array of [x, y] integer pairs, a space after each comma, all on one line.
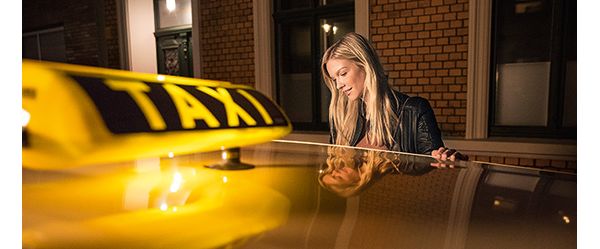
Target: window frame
[[558, 61], [313, 13]]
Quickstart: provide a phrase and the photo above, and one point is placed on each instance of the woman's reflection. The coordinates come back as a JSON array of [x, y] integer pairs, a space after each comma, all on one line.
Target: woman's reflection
[[351, 170]]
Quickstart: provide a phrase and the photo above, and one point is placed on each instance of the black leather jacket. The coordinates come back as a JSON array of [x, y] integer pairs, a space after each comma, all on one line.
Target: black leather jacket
[[418, 131]]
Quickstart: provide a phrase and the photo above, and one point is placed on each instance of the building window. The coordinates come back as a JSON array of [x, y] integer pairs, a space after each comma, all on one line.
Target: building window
[[303, 31], [173, 22], [533, 70], [46, 45]]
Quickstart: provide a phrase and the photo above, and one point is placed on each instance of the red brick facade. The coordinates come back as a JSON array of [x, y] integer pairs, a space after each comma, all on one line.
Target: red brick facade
[[423, 46], [227, 41]]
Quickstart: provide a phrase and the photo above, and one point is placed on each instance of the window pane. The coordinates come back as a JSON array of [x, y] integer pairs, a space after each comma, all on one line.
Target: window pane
[[295, 4], [30, 47], [570, 104], [174, 13], [52, 46], [523, 31], [331, 30], [523, 53], [522, 94], [295, 67]]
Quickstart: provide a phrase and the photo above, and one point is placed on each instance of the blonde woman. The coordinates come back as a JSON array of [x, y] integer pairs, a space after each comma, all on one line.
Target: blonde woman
[[366, 112]]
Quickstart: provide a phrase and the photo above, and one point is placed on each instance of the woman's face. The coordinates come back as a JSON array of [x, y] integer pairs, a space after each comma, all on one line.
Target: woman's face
[[348, 77]]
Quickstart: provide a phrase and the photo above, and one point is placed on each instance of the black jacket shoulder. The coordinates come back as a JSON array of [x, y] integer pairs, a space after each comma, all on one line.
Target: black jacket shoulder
[[418, 131]]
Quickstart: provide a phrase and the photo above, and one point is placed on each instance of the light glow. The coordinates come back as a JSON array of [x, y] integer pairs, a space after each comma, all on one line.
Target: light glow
[[566, 219], [496, 203], [171, 5], [224, 179], [163, 206], [160, 77], [326, 27], [335, 28], [171, 155], [25, 117], [177, 180]]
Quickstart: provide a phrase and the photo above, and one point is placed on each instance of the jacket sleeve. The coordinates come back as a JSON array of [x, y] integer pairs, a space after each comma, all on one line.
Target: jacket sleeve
[[428, 137]]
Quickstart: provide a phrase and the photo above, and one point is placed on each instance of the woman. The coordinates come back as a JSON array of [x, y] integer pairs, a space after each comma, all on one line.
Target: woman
[[366, 112]]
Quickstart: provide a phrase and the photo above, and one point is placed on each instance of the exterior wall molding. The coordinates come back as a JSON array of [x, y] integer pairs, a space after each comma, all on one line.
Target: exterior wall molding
[[196, 24], [478, 66], [264, 53], [122, 24], [361, 17]]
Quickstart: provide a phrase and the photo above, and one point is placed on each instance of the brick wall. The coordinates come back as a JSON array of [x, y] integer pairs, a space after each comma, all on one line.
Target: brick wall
[[227, 41], [81, 33], [111, 35], [423, 46], [90, 28]]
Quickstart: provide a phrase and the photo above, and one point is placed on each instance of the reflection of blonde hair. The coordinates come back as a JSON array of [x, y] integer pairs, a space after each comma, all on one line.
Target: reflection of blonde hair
[[370, 164], [343, 114]]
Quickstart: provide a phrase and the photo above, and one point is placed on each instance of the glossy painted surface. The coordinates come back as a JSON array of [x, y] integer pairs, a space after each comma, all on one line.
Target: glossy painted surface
[[298, 196]]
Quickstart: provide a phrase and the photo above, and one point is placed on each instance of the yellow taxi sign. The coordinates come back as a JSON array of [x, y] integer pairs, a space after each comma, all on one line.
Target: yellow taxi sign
[[82, 115]]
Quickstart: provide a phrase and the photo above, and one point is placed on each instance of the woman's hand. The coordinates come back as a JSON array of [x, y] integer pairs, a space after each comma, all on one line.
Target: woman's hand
[[445, 154]]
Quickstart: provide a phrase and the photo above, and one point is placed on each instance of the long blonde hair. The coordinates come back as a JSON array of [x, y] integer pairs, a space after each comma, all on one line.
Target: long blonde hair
[[380, 118]]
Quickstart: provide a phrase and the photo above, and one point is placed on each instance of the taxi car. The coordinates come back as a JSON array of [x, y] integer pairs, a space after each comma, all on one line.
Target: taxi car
[[115, 159]]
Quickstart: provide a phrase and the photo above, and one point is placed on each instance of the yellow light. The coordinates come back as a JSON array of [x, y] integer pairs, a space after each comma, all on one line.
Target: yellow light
[[326, 27], [335, 28], [160, 77], [177, 179], [25, 117], [496, 203], [566, 219], [171, 5], [224, 155], [224, 179], [171, 155], [163, 206]]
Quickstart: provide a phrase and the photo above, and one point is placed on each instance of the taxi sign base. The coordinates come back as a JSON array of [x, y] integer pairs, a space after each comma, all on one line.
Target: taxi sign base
[[231, 161]]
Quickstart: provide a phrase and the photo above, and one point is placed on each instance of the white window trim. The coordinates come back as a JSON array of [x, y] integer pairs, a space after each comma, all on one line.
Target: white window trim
[[196, 24], [478, 64], [264, 51]]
